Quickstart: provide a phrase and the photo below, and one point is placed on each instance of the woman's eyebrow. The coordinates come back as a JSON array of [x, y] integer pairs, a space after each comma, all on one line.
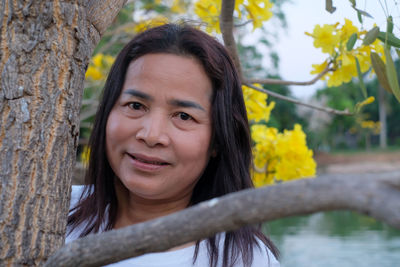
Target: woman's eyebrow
[[185, 104], [138, 94]]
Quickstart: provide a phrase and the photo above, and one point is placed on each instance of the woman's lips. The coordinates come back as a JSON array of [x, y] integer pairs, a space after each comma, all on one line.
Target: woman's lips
[[146, 163]]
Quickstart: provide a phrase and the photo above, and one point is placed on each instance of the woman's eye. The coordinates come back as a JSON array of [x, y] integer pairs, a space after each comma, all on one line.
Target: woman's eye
[[135, 105], [184, 116]]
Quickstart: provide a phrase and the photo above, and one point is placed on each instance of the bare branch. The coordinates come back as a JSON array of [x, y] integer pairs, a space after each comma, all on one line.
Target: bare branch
[[226, 26], [298, 102], [377, 195], [243, 23], [278, 81], [100, 15]]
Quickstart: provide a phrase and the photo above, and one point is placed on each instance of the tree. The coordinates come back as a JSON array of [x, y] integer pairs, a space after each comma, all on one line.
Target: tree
[[45, 49]]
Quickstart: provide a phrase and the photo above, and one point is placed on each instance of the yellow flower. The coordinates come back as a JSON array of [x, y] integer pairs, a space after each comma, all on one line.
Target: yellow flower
[[367, 101], [259, 11], [150, 23], [85, 155], [94, 74], [98, 60], [347, 30], [102, 61], [374, 126], [264, 149], [261, 178], [208, 11], [178, 6], [256, 104], [344, 72], [325, 38], [295, 159], [109, 60], [318, 68], [261, 132]]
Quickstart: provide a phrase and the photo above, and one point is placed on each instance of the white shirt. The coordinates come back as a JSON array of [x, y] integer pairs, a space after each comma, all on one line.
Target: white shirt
[[262, 257]]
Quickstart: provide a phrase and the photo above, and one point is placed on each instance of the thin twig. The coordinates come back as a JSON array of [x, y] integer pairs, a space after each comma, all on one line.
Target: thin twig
[[298, 102], [243, 23], [226, 27], [281, 82]]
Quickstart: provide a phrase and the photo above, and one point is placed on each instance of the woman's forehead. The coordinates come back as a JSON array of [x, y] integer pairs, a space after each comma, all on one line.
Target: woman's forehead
[[168, 71]]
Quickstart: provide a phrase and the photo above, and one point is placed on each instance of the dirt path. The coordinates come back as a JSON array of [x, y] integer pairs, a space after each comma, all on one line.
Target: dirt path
[[358, 162]]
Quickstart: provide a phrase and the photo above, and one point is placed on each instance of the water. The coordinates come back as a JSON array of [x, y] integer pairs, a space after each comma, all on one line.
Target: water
[[339, 238]]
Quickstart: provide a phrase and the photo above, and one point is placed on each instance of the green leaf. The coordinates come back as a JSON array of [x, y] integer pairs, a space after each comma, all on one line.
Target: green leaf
[[389, 38], [360, 78], [362, 12], [359, 16], [352, 40], [380, 69], [371, 36], [391, 74], [389, 25], [353, 2], [397, 52]]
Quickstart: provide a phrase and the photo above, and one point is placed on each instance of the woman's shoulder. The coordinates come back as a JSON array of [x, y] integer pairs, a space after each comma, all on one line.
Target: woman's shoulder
[[262, 256], [76, 193]]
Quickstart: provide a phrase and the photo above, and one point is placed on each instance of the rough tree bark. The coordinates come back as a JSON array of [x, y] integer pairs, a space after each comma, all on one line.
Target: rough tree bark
[[45, 48]]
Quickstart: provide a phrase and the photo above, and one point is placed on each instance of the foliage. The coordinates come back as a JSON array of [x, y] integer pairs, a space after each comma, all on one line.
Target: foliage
[[348, 131], [352, 52], [333, 40]]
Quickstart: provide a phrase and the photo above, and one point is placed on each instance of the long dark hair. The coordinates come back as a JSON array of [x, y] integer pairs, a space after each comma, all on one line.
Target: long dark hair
[[227, 171]]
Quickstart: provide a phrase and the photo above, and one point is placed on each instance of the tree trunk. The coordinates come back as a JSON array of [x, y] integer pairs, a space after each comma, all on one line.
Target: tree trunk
[[44, 50], [382, 118]]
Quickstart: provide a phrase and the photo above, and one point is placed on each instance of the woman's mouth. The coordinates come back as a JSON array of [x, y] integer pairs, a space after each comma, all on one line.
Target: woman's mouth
[[147, 163]]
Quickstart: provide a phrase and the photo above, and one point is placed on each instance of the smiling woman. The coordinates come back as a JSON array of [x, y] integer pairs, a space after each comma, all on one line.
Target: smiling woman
[[171, 131], [158, 140]]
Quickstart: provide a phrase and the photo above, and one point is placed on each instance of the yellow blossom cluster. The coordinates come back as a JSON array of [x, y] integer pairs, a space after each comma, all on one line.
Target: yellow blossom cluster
[[256, 104], [280, 156], [257, 11], [150, 23], [276, 156], [333, 40], [363, 103], [373, 126], [99, 66]]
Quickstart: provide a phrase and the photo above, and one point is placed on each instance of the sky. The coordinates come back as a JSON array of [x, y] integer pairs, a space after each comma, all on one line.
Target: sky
[[296, 50]]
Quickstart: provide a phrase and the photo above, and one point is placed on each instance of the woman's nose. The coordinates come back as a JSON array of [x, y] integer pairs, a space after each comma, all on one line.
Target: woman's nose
[[153, 131]]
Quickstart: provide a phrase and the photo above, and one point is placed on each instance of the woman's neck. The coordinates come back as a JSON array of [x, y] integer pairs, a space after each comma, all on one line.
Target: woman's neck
[[133, 209]]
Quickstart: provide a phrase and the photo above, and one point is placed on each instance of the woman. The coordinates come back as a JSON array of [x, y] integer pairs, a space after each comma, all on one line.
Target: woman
[[171, 131]]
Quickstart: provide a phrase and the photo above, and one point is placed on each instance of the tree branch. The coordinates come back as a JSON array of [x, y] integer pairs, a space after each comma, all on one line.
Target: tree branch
[[377, 195], [226, 27], [100, 15], [298, 102], [278, 81]]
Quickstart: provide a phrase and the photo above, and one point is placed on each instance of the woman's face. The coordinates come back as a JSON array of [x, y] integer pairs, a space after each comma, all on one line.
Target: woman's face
[[158, 133]]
